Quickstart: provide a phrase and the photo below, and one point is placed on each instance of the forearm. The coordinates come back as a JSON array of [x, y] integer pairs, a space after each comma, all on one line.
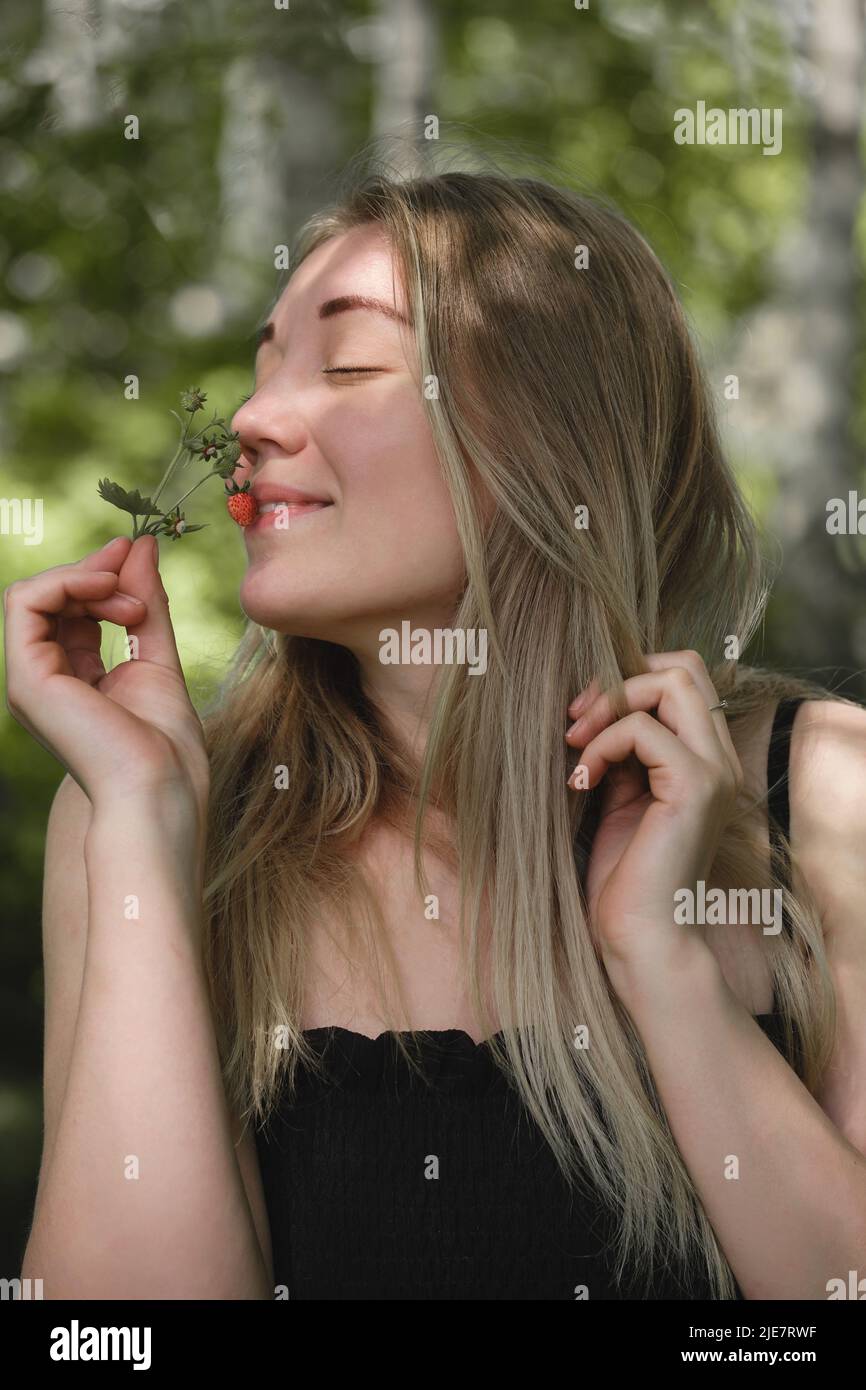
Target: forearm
[[794, 1216], [142, 1195]]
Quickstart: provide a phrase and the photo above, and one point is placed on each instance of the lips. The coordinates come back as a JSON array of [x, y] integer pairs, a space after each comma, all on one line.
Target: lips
[[280, 508], [291, 508], [281, 492]]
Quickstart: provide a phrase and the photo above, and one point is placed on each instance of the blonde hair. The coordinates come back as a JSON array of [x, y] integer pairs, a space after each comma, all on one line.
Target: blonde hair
[[556, 387]]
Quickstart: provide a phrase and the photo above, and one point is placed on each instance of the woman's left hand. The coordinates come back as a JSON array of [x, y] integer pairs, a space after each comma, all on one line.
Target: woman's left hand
[[652, 842]]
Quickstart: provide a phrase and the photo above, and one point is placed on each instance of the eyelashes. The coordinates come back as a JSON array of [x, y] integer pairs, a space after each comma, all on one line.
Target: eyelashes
[[335, 371], [326, 371]]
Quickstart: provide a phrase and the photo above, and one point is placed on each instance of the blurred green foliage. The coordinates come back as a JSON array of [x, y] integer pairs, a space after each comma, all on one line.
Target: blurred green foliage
[[119, 256]]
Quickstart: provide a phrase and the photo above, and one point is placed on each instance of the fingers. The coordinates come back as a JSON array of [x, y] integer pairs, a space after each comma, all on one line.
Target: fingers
[[681, 708], [678, 687], [109, 556], [137, 563], [52, 637], [694, 664], [106, 560], [673, 769], [81, 639], [81, 636], [33, 607], [582, 701], [52, 618], [139, 575]]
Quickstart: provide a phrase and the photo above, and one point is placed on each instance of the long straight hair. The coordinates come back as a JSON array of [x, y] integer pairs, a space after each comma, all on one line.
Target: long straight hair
[[558, 371]]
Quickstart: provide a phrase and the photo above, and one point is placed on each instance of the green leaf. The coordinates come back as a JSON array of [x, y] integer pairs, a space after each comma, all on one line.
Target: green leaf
[[127, 501]]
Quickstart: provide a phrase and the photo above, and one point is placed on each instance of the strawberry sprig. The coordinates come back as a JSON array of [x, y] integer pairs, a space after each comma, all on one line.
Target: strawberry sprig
[[214, 443]]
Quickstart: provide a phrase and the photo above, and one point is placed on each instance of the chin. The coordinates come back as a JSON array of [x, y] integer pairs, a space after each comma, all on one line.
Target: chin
[[278, 602], [292, 604]]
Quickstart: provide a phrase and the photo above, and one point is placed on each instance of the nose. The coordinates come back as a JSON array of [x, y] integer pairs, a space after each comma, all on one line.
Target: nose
[[267, 425], [240, 423]]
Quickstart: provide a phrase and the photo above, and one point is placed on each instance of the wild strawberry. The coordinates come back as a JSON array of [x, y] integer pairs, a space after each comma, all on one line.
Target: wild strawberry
[[217, 446], [243, 507]]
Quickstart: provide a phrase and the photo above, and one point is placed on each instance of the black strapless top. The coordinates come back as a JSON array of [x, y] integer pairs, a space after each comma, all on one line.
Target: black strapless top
[[380, 1184]]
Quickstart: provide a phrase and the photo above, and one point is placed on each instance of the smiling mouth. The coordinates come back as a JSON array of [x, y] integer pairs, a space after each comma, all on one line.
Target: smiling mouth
[[279, 515]]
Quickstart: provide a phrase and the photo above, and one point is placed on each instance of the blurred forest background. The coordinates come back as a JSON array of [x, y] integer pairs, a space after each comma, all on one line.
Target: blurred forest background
[[155, 256]]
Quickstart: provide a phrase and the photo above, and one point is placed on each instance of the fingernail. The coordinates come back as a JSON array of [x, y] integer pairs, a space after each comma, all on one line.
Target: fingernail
[[576, 725], [131, 597], [155, 551]]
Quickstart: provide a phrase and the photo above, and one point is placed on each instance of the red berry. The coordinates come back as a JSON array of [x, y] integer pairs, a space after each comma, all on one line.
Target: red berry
[[243, 508]]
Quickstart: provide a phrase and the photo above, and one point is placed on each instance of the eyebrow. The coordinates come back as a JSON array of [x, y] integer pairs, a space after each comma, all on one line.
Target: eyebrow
[[341, 305]]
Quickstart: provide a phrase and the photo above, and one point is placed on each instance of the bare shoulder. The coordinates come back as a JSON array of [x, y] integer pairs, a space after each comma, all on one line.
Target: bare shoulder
[[828, 751], [827, 793], [828, 837]]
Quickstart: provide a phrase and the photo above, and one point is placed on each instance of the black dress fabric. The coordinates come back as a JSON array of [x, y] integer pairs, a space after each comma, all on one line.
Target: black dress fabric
[[381, 1184]]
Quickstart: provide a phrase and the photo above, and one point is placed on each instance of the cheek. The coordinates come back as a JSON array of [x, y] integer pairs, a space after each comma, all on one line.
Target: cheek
[[393, 492], [403, 506]]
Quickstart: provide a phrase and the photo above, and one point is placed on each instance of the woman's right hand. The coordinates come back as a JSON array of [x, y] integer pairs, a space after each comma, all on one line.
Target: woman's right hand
[[122, 733]]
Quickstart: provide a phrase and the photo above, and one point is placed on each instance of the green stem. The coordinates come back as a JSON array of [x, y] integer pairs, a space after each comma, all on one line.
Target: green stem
[[181, 450], [212, 474], [165, 477], [185, 440]]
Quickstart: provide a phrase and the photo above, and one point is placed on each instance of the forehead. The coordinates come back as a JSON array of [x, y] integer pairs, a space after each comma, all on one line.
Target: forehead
[[355, 263]]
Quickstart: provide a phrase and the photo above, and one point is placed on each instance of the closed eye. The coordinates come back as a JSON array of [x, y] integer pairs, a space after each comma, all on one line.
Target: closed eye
[[348, 370]]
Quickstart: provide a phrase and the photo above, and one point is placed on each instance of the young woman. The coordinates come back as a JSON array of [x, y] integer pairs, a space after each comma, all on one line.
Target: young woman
[[349, 994]]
